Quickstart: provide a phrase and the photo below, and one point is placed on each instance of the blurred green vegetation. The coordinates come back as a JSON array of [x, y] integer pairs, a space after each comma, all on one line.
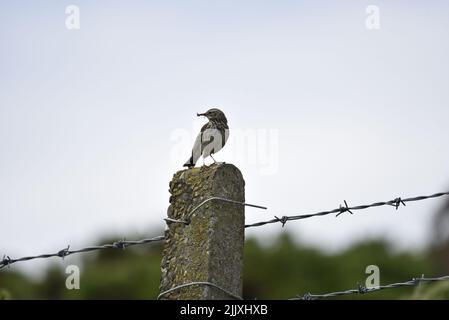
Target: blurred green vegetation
[[280, 270]]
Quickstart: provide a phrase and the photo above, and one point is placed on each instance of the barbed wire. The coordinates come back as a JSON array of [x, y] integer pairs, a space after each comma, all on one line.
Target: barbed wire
[[397, 202], [364, 290], [187, 221], [200, 283], [7, 260], [122, 244]]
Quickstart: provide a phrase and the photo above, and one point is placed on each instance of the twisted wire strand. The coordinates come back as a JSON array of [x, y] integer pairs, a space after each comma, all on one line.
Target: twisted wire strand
[[122, 244], [7, 261], [363, 290], [397, 202], [199, 283], [225, 200]]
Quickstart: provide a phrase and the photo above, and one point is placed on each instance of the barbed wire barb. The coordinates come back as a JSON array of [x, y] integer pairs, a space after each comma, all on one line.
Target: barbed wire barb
[[344, 209], [398, 202]]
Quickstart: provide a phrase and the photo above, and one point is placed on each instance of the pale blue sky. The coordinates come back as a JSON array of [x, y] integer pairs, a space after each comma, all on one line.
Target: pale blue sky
[[86, 116]]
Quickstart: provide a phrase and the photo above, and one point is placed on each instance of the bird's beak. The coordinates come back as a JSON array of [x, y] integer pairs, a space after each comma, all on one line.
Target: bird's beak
[[201, 114]]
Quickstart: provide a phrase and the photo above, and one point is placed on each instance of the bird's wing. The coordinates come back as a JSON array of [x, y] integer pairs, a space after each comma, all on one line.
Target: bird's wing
[[204, 128], [197, 147]]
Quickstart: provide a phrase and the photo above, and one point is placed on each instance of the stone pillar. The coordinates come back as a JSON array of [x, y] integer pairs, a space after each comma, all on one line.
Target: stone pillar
[[210, 247]]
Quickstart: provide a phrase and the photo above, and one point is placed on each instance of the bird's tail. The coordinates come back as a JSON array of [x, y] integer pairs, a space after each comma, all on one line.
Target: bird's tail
[[189, 163], [196, 153]]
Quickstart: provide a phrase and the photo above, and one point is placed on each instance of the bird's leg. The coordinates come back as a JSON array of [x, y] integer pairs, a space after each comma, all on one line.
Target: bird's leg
[[213, 158]]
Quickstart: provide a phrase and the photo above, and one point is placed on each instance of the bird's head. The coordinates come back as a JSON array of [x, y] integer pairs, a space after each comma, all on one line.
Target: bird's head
[[214, 114]]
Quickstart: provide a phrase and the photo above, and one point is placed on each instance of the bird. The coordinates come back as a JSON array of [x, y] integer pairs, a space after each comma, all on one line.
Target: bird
[[212, 137]]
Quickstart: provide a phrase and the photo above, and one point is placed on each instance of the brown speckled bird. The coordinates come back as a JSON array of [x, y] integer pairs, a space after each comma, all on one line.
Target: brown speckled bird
[[212, 138]]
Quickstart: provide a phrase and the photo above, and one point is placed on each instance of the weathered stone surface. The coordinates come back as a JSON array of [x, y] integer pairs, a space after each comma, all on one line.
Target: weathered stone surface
[[210, 247]]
